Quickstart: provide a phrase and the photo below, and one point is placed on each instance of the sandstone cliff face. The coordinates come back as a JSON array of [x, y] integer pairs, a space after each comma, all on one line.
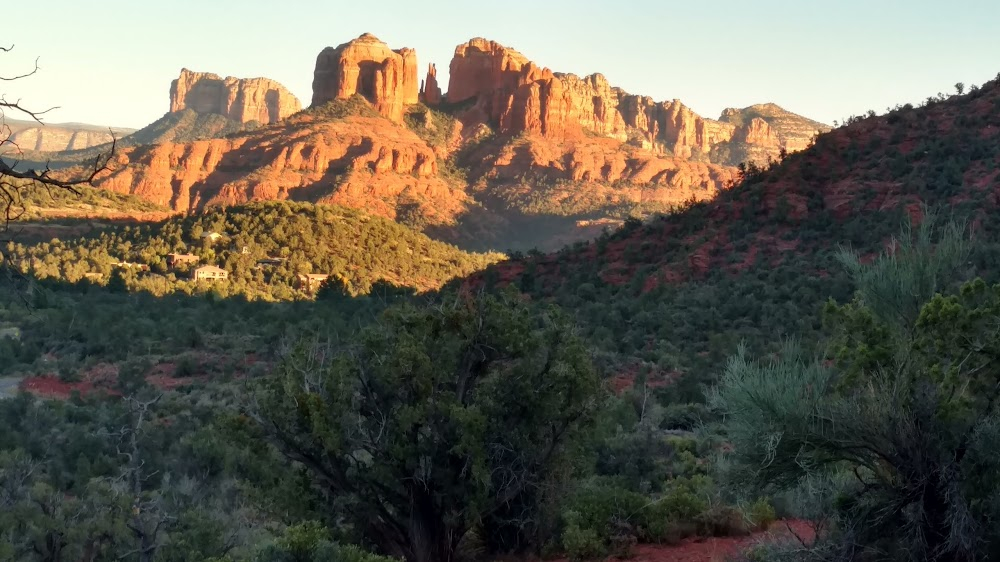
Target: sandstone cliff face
[[486, 71], [517, 96], [784, 129], [367, 66], [239, 99], [359, 162]]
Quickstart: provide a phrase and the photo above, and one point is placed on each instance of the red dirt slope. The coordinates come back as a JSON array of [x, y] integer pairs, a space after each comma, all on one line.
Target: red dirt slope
[[717, 549]]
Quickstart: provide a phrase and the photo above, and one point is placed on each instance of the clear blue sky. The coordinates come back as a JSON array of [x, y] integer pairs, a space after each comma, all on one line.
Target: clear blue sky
[[110, 62]]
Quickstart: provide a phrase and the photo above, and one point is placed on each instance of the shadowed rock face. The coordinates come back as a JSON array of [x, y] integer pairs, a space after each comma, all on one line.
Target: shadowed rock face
[[367, 66], [239, 99]]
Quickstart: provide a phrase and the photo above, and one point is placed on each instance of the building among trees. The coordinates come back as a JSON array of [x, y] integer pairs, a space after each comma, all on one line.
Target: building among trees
[[209, 273]]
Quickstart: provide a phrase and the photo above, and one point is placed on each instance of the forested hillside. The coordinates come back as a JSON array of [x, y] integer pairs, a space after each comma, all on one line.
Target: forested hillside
[[263, 247], [677, 294]]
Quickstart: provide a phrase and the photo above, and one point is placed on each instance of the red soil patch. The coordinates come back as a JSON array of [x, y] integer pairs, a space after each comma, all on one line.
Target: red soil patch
[[100, 377], [49, 386], [748, 260], [700, 259], [619, 275], [624, 381], [650, 283], [716, 549]]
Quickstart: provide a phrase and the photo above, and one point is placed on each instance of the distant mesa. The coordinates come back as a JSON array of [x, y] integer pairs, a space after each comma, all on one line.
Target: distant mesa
[[53, 137], [367, 66], [239, 99]]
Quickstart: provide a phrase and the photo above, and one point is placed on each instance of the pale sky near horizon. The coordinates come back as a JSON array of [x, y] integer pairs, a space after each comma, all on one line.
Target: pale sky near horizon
[[110, 62]]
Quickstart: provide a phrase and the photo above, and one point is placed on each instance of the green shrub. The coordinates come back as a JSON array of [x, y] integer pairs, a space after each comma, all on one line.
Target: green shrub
[[68, 370], [604, 514], [681, 444], [309, 542], [675, 514], [722, 521], [761, 514], [685, 417], [187, 366], [582, 544]]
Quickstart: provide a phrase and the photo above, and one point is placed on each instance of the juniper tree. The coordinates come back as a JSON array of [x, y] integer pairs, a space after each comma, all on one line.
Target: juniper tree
[[436, 421]]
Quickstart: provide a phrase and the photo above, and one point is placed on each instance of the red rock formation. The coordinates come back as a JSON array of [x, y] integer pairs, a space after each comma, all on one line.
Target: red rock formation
[[758, 131], [684, 130], [517, 96], [486, 71], [364, 162], [367, 66], [240, 99], [764, 130], [430, 92]]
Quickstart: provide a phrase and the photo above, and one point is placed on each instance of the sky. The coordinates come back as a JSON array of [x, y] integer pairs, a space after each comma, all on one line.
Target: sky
[[110, 62]]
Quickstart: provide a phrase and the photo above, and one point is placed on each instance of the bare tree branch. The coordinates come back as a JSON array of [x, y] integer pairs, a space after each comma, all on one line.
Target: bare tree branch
[[19, 76], [13, 180], [4, 104]]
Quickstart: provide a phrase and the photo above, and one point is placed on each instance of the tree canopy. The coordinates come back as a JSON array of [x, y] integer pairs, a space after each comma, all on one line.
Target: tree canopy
[[440, 419]]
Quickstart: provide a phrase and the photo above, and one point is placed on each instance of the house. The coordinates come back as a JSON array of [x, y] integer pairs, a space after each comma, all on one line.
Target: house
[[174, 260], [130, 265], [209, 273], [211, 236], [309, 282]]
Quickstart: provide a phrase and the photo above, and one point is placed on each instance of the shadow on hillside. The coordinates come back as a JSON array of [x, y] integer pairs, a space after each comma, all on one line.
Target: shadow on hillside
[[481, 230], [35, 231], [59, 324]]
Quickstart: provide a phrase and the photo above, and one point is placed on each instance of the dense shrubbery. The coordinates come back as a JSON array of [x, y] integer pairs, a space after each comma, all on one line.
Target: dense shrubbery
[[887, 444], [35, 200], [899, 423], [432, 125], [338, 109], [352, 247]]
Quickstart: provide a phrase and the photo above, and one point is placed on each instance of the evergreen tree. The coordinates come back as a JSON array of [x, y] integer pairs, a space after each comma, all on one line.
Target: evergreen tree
[[903, 416]]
